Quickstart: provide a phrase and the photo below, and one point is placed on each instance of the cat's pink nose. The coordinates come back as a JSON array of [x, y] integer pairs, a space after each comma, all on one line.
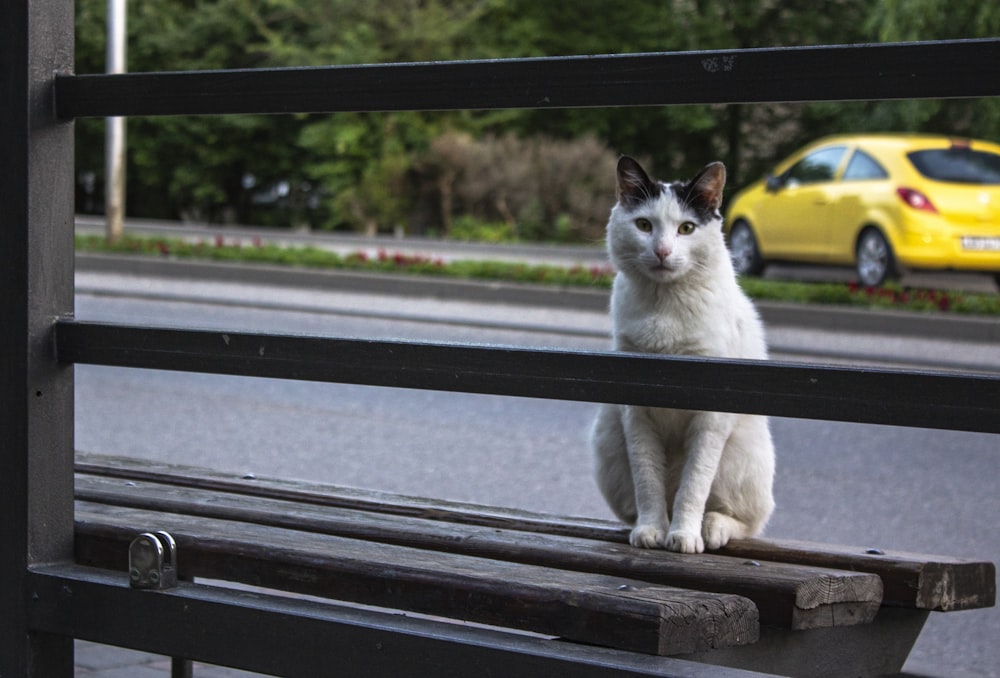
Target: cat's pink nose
[[662, 252]]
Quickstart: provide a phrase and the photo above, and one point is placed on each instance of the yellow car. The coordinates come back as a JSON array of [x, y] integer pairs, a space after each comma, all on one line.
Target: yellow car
[[882, 203]]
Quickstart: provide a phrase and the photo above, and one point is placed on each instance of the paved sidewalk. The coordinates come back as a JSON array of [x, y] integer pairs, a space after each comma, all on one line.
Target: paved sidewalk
[[890, 322], [105, 661]]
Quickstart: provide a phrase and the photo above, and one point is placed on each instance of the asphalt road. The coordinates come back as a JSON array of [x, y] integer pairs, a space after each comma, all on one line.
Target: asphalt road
[[872, 486]]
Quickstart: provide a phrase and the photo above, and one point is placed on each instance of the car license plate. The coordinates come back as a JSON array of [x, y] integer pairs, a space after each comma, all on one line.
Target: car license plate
[[981, 244]]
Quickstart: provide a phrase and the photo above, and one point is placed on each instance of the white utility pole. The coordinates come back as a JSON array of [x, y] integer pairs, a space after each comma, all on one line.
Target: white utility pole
[[114, 141]]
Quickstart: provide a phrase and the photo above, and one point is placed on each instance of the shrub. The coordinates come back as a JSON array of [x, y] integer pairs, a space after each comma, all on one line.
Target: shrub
[[541, 188], [468, 227]]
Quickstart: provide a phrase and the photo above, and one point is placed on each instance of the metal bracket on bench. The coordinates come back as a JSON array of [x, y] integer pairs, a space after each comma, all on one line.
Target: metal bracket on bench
[[152, 561]]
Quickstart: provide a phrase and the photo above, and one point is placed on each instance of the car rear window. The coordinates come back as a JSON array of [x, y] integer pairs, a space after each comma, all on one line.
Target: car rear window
[[958, 165]]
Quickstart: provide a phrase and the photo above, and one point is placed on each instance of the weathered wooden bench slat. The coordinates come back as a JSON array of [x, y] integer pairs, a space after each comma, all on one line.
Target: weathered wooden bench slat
[[306, 492], [927, 582], [609, 611], [924, 582], [791, 596]]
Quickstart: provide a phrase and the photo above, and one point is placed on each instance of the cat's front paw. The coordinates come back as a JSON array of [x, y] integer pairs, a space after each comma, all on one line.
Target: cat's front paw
[[648, 537], [718, 529], [682, 541]]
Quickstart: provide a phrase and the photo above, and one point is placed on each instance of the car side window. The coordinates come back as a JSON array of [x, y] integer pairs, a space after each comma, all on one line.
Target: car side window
[[862, 166], [816, 167]]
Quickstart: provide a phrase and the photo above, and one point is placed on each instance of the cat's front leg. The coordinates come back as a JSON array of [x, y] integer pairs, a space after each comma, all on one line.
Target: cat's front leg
[[648, 466], [704, 443]]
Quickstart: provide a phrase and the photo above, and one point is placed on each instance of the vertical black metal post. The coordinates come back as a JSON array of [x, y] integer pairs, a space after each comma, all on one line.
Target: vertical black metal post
[[36, 286], [181, 668]]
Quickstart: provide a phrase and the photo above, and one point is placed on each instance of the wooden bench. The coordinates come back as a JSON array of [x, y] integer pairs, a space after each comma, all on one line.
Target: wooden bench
[[776, 607]]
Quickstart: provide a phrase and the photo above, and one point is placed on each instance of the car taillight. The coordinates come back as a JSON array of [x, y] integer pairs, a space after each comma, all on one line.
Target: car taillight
[[916, 199]]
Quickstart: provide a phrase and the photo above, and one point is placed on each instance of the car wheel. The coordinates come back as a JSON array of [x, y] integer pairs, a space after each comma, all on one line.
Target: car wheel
[[744, 251], [875, 261]]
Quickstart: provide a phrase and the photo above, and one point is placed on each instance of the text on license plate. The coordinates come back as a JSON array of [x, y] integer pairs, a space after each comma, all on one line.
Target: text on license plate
[[991, 244]]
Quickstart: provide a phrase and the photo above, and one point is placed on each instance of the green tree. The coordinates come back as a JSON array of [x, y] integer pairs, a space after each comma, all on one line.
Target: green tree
[[370, 168], [191, 167], [365, 161], [897, 21], [679, 139]]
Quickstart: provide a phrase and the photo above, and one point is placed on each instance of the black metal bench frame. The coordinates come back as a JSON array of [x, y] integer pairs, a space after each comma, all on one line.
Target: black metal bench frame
[[48, 600]]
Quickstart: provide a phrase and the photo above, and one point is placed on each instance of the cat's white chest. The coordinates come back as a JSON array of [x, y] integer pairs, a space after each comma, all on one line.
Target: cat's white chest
[[696, 320], [667, 328], [657, 334]]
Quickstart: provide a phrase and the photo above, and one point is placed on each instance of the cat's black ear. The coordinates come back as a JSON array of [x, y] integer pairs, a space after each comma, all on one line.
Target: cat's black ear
[[705, 190], [634, 185]]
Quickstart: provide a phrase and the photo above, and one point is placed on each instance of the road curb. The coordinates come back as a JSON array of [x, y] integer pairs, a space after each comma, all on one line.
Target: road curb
[[831, 318]]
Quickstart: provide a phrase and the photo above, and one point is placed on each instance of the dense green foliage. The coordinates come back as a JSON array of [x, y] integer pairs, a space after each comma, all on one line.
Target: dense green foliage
[[430, 172]]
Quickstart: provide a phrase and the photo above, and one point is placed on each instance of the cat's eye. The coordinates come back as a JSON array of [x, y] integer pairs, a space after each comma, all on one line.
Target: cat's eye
[[644, 225], [687, 228]]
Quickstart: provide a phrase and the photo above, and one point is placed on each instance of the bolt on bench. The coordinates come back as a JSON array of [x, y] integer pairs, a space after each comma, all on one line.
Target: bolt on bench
[[550, 596]]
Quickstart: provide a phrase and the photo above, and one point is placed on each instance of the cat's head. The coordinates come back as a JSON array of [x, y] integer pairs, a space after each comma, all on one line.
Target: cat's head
[[662, 231]]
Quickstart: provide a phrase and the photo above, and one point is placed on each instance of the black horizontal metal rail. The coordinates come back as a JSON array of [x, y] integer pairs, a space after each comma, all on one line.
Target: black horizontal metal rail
[[928, 400], [266, 633], [959, 68]]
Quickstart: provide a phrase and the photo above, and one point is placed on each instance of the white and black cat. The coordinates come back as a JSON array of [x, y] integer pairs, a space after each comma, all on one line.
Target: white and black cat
[[686, 480]]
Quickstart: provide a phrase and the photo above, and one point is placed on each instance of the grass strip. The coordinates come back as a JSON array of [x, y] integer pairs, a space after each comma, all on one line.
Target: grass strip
[[890, 296]]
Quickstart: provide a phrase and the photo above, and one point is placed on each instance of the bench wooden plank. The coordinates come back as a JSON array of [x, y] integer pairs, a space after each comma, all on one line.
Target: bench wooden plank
[[609, 611], [787, 595], [925, 582], [346, 497], [920, 581]]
